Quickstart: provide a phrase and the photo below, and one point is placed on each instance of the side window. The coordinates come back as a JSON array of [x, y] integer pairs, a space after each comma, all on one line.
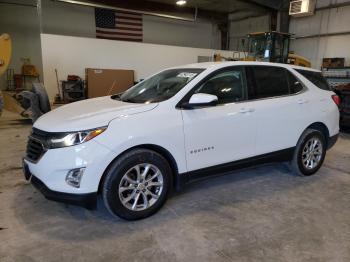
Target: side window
[[270, 81], [294, 85], [316, 78], [228, 86]]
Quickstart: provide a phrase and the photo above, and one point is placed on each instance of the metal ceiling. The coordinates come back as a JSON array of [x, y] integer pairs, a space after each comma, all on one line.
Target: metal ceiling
[[224, 6], [218, 11]]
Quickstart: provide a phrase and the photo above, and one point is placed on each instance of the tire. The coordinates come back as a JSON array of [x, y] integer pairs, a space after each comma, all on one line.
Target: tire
[[299, 165], [44, 102], [124, 184]]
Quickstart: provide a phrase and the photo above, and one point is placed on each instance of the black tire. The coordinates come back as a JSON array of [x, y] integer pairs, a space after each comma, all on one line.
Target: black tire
[[44, 101], [115, 173], [297, 166]]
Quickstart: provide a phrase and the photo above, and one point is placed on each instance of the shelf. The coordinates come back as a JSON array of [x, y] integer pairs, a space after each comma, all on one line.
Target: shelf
[[335, 68], [337, 77]]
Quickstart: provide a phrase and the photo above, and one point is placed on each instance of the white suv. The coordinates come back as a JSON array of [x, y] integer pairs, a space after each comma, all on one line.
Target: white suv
[[178, 125]]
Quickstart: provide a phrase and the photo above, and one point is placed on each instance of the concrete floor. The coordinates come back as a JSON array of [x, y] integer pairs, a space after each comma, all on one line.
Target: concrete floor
[[260, 214]]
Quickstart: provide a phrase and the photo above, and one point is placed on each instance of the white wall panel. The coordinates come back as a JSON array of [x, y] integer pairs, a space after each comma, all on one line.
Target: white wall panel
[[317, 48], [324, 21], [71, 55]]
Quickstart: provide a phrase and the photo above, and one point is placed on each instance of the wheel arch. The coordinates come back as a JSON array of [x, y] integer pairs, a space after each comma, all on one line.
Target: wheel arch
[[156, 148], [322, 128]]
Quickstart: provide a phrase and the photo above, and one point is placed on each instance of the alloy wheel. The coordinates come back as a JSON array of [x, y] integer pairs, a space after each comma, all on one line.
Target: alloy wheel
[[140, 187], [312, 153]]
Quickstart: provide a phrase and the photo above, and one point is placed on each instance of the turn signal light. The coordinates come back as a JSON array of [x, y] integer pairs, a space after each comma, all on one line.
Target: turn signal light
[[336, 99]]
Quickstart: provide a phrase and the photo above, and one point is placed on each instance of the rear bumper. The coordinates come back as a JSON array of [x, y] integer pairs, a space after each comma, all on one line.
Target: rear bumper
[[84, 200], [332, 140]]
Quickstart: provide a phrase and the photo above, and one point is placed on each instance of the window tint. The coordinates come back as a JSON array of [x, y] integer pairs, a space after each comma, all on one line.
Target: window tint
[[228, 86], [316, 78], [270, 81], [294, 85]]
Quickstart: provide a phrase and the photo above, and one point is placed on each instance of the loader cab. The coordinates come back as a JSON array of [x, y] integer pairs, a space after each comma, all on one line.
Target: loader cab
[[268, 47]]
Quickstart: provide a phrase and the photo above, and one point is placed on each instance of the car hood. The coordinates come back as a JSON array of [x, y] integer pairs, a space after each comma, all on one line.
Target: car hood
[[88, 114]]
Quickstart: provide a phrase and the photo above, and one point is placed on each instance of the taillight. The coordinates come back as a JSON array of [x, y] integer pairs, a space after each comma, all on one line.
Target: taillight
[[336, 99]]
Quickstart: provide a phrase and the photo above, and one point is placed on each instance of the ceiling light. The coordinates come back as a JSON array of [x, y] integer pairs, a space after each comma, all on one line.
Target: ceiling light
[[181, 2]]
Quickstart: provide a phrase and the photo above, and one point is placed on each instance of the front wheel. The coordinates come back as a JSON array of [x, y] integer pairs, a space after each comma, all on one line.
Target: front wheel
[[137, 184], [309, 153]]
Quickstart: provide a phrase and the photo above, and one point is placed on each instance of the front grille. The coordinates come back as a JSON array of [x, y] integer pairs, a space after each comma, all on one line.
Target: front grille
[[35, 145], [34, 149]]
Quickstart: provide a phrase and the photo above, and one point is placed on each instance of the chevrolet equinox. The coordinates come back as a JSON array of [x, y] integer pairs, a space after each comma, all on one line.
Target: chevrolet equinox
[[176, 126]]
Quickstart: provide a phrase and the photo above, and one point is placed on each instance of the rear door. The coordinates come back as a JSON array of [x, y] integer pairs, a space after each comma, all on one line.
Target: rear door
[[277, 97]]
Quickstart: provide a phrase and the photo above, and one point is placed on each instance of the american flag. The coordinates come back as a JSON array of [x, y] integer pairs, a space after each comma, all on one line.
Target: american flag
[[118, 25]]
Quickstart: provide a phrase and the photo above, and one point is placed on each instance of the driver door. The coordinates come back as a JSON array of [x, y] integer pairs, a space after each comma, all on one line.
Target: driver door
[[223, 133]]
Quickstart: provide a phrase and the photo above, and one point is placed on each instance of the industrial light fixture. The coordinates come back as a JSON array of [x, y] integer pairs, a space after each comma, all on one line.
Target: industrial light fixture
[[181, 2]]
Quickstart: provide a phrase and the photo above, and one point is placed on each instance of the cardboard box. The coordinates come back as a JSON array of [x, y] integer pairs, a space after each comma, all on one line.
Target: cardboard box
[[336, 62], [103, 82]]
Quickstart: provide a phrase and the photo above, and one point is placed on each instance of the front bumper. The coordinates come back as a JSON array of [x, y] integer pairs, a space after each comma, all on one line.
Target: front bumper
[[49, 173], [54, 165], [88, 200]]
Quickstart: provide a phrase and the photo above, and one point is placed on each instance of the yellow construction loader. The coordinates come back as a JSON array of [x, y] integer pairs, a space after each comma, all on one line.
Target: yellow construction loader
[[5, 56], [267, 47], [272, 47]]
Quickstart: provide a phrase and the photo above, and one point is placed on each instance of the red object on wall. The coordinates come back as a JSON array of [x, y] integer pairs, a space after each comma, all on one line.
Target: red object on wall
[[18, 79]]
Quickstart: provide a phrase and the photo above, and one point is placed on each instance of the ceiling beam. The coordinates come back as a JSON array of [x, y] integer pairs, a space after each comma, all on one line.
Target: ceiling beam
[[270, 4], [150, 6], [28, 3]]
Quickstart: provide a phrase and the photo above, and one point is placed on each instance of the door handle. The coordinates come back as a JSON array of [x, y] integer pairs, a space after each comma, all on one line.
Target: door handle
[[302, 101], [246, 110]]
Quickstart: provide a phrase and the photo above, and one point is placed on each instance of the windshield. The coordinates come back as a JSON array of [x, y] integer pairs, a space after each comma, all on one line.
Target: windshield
[[159, 87], [257, 46]]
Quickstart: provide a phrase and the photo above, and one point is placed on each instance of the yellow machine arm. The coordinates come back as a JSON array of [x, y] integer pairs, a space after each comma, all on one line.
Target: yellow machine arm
[[5, 52], [6, 99]]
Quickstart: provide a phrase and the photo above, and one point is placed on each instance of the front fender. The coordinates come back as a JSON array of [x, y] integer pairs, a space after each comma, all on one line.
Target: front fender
[[156, 127]]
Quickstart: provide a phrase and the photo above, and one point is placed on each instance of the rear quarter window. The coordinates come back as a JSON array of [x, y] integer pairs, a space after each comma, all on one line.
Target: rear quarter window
[[316, 78]]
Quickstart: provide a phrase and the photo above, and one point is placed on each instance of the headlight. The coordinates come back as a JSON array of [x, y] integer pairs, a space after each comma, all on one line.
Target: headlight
[[74, 138]]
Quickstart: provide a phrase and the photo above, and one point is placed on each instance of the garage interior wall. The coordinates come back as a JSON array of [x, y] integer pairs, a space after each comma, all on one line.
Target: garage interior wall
[[71, 55], [238, 30], [325, 21], [22, 24], [157, 30]]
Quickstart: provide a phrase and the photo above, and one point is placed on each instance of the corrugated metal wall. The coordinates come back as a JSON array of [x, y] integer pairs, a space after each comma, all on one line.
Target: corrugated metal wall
[[326, 21], [238, 30]]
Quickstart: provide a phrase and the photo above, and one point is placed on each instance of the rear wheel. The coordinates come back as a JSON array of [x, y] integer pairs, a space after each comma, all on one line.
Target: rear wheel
[[137, 184], [309, 153]]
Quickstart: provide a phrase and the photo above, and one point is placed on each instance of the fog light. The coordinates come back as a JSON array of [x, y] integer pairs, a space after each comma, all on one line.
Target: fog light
[[74, 176]]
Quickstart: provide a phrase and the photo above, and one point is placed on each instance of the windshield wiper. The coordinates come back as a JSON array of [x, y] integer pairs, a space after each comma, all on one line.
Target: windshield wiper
[[128, 100], [116, 97]]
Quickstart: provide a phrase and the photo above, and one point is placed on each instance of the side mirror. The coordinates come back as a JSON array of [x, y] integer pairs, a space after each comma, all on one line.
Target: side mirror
[[297, 86], [201, 100]]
